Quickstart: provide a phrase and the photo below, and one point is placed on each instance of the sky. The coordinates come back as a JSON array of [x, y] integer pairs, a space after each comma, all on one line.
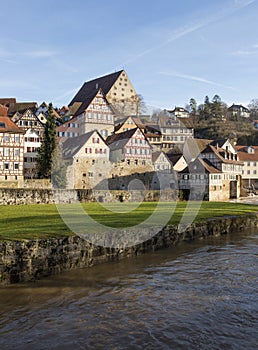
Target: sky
[[171, 50]]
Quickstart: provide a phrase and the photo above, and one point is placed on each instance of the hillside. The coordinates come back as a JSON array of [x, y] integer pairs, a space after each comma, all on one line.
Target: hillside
[[220, 129]]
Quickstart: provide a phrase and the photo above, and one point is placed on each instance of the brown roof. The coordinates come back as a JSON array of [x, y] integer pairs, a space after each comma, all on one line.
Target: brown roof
[[73, 144], [83, 105], [22, 107], [137, 121], [244, 156], [117, 141], [6, 124], [220, 152], [200, 165], [7, 101], [89, 88]]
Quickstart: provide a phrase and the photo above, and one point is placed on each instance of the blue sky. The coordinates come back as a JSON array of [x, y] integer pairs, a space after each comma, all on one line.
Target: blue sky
[[171, 50]]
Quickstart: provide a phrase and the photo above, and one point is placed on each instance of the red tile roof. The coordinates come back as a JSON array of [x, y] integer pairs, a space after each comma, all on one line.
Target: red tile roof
[[244, 156], [6, 124]]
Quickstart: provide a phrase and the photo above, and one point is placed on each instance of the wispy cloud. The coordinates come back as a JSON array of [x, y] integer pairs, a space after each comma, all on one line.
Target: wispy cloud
[[176, 34], [41, 54], [250, 51], [68, 93], [195, 78]]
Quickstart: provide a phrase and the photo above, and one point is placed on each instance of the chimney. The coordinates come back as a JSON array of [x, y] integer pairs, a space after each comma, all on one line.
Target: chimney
[[97, 86]]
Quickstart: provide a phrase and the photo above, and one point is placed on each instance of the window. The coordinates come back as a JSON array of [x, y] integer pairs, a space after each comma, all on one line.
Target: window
[[95, 140], [16, 166], [128, 161], [17, 138], [248, 172], [88, 150], [136, 162], [255, 172], [6, 152], [6, 166], [6, 138], [90, 174], [16, 152]]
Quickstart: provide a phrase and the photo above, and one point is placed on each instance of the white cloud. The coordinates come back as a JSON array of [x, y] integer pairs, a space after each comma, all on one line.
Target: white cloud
[[192, 27], [40, 54]]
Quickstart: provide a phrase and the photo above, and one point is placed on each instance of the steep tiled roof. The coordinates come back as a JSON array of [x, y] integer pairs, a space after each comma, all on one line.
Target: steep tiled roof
[[22, 107], [244, 156], [90, 87], [73, 144], [117, 141], [220, 152], [209, 167], [200, 166], [137, 122], [6, 124], [174, 158]]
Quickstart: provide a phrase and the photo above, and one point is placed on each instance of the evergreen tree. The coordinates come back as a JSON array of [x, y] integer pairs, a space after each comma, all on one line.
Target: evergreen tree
[[205, 109], [193, 106], [216, 107], [48, 146]]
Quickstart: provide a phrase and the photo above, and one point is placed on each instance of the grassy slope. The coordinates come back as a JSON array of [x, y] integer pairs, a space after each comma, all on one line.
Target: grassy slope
[[42, 221]]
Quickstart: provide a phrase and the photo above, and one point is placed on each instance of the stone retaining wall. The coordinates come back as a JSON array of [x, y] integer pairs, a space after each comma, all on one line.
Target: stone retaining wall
[[33, 259], [14, 196]]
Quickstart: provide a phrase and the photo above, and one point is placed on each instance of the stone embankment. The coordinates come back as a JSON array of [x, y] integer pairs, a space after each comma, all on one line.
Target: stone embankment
[[22, 261], [14, 196]]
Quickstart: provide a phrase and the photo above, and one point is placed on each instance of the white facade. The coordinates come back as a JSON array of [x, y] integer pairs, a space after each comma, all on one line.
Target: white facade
[[32, 142]]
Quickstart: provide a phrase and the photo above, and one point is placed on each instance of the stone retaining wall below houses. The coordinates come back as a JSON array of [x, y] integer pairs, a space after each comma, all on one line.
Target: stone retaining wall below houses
[[33, 259], [14, 196]]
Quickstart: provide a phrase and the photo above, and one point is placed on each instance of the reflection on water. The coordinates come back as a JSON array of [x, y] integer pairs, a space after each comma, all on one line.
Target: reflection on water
[[201, 295]]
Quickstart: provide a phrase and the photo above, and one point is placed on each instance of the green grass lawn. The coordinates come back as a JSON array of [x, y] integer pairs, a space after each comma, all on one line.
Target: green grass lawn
[[42, 221]]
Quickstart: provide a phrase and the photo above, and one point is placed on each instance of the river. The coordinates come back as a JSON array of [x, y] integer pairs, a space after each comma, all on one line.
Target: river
[[200, 295]]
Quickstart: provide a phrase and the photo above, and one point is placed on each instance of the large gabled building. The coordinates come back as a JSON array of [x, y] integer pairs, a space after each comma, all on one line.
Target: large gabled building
[[117, 89], [94, 113]]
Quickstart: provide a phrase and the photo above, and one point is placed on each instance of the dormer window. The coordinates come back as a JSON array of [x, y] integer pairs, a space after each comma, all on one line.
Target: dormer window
[[250, 150]]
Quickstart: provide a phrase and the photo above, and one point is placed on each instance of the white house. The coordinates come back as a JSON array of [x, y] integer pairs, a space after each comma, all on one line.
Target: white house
[[87, 158]]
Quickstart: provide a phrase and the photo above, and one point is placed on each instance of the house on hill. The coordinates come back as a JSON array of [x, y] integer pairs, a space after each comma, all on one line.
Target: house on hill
[[179, 112], [11, 151], [117, 89], [236, 111]]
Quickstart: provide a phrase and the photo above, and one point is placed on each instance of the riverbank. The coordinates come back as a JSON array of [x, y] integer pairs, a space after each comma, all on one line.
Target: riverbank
[[28, 260]]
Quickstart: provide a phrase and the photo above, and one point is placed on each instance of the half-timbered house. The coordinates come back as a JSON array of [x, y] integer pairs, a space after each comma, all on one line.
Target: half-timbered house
[[94, 113], [11, 151]]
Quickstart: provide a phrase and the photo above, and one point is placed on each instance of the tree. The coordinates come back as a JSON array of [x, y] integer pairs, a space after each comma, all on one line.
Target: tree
[[216, 107], [48, 146], [205, 109], [193, 106], [59, 169], [253, 107], [143, 107]]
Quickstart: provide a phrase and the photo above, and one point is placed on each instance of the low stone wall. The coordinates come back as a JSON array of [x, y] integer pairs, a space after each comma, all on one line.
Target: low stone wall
[[33, 259], [14, 196]]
